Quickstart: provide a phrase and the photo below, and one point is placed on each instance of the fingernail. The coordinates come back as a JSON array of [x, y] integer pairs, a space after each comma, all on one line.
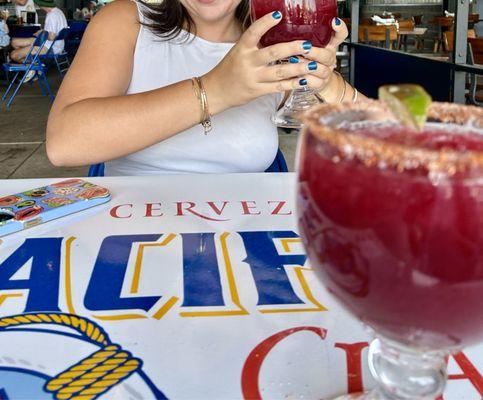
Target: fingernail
[[307, 45], [312, 66], [277, 15], [303, 82], [337, 21], [293, 60]]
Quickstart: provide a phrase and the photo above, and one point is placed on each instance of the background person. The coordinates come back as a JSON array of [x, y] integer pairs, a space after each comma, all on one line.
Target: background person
[[25, 5], [89, 11], [140, 111], [55, 21], [4, 37]]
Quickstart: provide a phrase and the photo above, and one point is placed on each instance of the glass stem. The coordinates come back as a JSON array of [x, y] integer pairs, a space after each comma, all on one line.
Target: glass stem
[[406, 374], [302, 99]]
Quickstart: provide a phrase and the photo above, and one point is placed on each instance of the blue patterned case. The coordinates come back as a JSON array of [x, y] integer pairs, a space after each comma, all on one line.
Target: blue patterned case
[[37, 206]]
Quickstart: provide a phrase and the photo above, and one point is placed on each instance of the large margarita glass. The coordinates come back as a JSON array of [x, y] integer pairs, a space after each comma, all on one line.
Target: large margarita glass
[[392, 221]]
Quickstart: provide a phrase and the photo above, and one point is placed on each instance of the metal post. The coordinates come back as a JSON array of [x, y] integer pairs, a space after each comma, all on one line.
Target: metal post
[[355, 5], [460, 49]]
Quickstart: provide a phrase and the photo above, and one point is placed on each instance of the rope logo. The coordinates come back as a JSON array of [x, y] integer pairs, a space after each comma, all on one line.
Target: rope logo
[[41, 358]]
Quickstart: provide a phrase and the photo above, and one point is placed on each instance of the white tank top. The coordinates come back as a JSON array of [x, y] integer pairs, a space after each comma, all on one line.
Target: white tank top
[[243, 138]]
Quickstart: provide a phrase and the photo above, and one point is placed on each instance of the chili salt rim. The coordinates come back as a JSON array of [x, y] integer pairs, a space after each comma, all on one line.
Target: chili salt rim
[[379, 152]]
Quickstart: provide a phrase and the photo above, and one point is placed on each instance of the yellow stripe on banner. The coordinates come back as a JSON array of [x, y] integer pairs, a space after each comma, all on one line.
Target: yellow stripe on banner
[[68, 278], [287, 242], [139, 260], [308, 293], [299, 272], [4, 297], [235, 298], [165, 308]]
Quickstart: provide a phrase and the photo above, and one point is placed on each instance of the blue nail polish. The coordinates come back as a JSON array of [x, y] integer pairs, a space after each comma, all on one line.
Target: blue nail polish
[[277, 15], [303, 82], [312, 66], [293, 60], [307, 45], [337, 21]]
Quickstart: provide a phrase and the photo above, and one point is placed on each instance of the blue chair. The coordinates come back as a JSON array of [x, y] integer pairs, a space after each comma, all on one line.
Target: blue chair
[[278, 165], [76, 32], [61, 60], [31, 63]]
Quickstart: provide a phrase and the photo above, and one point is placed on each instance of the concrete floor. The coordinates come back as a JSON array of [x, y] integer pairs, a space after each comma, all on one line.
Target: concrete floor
[[22, 136]]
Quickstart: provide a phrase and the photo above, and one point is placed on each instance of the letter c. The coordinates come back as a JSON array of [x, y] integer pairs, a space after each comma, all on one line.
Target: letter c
[[114, 211], [253, 364]]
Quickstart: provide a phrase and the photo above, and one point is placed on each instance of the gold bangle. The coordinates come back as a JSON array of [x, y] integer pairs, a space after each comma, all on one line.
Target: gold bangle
[[344, 91], [206, 122], [203, 99], [355, 96]]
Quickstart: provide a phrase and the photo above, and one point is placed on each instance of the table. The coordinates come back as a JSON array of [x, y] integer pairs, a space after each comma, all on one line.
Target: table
[[24, 31], [196, 285], [417, 32]]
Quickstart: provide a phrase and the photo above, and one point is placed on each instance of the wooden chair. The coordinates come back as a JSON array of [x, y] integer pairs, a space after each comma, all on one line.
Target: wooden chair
[[475, 56], [382, 35], [476, 45], [404, 25], [448, 39], [473, 19], [418, 19], [444, 24]]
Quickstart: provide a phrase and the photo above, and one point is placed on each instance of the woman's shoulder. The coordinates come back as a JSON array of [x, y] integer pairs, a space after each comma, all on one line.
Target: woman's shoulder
[[125, 10], [119, 13]]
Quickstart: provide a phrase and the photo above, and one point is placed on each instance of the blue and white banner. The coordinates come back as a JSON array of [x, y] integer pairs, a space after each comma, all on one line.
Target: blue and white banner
[[182, 287]]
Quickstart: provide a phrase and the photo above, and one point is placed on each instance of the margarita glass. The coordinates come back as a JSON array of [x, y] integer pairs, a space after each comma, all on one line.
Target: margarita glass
[[392, 222], [301, 20]]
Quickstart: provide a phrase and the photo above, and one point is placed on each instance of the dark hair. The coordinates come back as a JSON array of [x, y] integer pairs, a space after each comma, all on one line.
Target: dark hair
[[168, 18]]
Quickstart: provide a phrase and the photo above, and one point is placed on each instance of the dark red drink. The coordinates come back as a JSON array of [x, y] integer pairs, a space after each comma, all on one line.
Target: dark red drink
[[302, 20], [392, 222]]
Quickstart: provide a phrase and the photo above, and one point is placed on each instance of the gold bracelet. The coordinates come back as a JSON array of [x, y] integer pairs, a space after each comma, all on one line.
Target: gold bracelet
[[343, 91], [196, 89], [203, 98], [355, 96]]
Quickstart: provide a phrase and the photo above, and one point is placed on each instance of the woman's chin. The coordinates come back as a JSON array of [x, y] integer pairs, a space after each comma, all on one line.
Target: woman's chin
[[211, 10]]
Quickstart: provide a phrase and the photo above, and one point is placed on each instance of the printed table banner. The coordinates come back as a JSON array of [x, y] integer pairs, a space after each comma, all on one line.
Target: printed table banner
[[181, 287]]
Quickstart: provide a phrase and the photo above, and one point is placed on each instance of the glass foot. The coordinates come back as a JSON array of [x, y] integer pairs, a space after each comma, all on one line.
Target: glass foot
[[359, 396], [289, 116]]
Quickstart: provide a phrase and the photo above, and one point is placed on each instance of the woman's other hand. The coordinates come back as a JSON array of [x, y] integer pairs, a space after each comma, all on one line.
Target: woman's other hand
[[247, 73], [325, 58]]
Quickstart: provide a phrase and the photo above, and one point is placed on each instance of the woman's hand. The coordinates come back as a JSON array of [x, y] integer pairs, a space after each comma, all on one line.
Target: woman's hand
[[325, 58], [245, 73]]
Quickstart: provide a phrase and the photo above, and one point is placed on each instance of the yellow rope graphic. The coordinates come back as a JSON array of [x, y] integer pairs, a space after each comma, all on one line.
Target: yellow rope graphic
[[94, 375]]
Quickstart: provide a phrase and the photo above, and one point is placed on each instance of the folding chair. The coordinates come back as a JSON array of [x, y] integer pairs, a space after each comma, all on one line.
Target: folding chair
[[61, 60], [278, 165], [31, 63]]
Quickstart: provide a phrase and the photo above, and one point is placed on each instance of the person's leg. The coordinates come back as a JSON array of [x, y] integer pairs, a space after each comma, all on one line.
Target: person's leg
[[22, 47], [19, 55], [18, 43]]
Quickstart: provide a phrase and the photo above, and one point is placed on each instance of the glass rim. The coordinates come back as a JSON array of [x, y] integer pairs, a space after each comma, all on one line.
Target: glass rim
[[374, 151]]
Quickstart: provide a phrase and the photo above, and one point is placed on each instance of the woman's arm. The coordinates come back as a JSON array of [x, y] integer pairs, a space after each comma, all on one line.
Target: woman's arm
[[92, 120]]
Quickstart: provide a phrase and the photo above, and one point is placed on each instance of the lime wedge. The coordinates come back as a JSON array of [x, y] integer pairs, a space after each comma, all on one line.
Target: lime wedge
[[408, 103]]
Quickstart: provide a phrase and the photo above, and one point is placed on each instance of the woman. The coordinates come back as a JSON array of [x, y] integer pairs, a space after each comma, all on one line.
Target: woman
[[140, 110]]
